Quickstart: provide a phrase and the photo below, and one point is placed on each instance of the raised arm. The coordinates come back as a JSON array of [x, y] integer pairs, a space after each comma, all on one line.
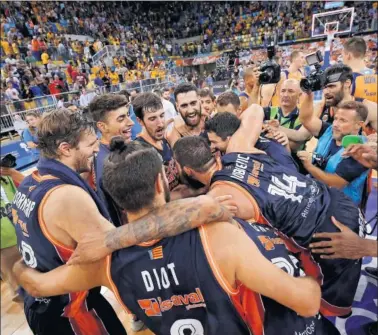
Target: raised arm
[[172, 219], [307, 116], [246, 136]]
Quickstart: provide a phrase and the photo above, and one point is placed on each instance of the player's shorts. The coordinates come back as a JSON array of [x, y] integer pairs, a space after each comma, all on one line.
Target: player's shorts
[[341, 276], [45, 318]]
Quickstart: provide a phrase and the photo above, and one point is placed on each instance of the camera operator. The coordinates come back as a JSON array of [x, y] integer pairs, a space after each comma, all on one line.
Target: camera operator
[[365, 81], [268, 73], [338, 82], [9, 251], [270, 94], [327, 164], [251, 84]]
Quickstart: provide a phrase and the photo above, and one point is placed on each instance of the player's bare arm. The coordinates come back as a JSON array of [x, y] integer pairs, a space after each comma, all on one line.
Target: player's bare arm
[[246, 136], [230, 245], [172, 219], [373, 114], [245, 206], [67, 224], [172, 136], [62, 280]]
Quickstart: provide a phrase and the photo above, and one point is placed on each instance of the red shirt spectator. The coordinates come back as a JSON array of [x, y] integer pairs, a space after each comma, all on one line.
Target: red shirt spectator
[[74, 75], [56, 86], [35, 44]]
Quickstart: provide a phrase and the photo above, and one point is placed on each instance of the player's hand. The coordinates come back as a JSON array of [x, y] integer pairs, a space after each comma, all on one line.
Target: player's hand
[[280, 137], [91, 248], [345, 244], [305, 157], [228, 202], [365, 154], [255, 75]]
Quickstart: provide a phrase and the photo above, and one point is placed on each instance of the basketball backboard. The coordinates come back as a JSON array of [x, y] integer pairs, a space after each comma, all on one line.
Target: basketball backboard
[[333, 22]]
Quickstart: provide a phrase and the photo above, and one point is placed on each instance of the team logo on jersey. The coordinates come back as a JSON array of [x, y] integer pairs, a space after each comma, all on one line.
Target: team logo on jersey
[[269, 242], [156, 253], [156, 306]]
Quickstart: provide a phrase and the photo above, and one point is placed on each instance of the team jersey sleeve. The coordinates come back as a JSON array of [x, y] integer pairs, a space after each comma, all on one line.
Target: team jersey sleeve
[[349, 169]]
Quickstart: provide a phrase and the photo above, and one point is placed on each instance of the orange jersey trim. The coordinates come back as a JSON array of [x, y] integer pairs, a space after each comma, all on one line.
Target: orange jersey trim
[[256, 208], [42, 223], [113, 286], [37, 177], [82, 320], [226, 286], [327, 309]]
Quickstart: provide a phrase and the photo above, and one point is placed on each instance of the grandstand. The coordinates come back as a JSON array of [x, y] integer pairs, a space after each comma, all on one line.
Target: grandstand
[[57, 54]]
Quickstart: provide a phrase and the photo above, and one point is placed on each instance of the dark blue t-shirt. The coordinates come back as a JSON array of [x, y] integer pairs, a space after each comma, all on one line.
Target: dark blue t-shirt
[[348, 169]]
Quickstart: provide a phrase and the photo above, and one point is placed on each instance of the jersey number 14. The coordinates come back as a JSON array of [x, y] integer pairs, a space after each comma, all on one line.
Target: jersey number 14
[[286, 188]]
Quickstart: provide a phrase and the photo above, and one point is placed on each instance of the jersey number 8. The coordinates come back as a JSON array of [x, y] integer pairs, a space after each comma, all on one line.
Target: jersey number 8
[[187, 327], [28, 255]]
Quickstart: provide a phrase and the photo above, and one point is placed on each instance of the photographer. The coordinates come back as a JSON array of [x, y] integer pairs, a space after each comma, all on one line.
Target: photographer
[[337, 87], [270, 93], [328, 165], [9, 251]]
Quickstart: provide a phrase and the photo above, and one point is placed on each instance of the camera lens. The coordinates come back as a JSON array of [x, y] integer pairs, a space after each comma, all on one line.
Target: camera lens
[[305, 84], [266, 76]]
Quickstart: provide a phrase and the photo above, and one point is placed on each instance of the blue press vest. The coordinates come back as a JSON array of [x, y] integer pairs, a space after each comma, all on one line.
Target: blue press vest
[[354, 190]]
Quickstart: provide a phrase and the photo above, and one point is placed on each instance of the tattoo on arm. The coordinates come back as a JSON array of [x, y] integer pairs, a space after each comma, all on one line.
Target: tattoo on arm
[[172, 219]]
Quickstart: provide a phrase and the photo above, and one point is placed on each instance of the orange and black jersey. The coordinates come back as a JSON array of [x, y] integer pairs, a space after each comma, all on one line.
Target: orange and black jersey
[[168, 161], [364, 85], [298, 206], [175, 287], [79, 313]]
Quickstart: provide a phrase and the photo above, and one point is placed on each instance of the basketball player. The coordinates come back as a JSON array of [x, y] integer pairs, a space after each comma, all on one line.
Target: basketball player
[[110, 112], [270, 193], [189, 106], [54, 208], [150, 114], [365, 80], [220, 128], [199, 282]]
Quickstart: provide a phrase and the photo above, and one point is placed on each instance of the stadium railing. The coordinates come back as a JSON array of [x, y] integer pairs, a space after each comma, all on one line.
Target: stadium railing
[[49, 102]]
